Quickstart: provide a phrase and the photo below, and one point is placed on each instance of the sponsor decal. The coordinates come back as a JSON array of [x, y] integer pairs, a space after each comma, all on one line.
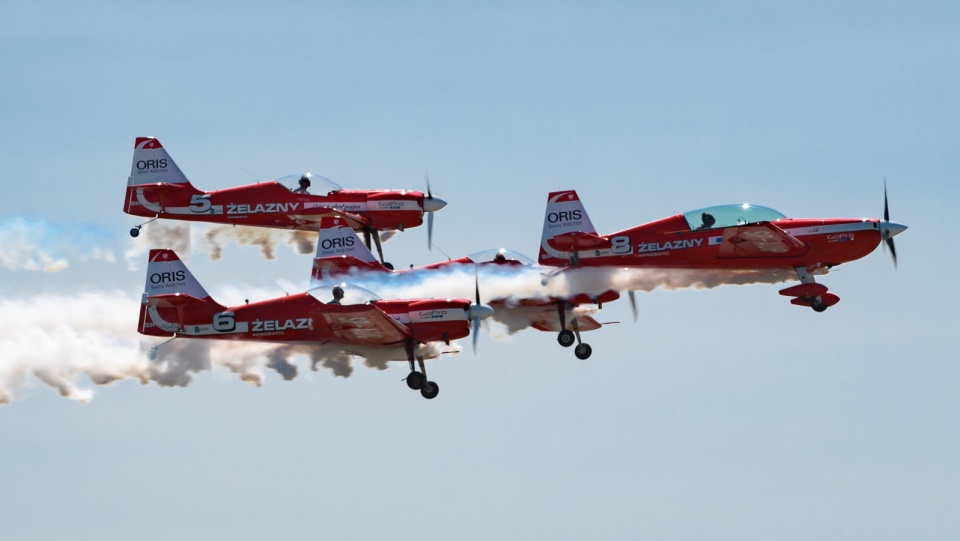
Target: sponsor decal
[[340, 242], [840, 237], [565, 216], [152, 164], [715, 241], [648, 247], [167, 277], [274, 325], [432, 314], [261, 208]]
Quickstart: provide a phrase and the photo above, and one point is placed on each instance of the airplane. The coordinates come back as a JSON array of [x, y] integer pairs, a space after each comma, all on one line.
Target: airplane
[[340, 253], [726, 237], [174, 305], [157, 188]]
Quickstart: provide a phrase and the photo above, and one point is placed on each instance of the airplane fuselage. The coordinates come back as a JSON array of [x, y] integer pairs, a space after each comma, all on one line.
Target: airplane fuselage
[[670, 243]]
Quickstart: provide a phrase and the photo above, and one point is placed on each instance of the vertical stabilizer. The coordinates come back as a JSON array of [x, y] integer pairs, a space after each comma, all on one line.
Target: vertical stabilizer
[[173, 300], [152, 164], [340, 250], [565, 215]]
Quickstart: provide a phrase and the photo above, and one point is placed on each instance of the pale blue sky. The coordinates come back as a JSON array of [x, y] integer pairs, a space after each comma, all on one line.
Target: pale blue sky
[[720, 414]]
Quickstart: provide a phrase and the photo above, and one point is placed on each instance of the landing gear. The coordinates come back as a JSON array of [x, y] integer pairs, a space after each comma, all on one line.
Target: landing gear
[[135, 232], [430, 390], [417, 380], [566, 337], [810, 293]]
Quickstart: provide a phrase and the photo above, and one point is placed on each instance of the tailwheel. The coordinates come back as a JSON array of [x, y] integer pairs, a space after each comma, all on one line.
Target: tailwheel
[[135, 232], [415, 380], [566, 338], [430, 390], [583, 351]]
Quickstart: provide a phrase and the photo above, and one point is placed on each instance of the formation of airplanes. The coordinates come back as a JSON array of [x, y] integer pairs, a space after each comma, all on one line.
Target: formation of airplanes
[[336, 310]]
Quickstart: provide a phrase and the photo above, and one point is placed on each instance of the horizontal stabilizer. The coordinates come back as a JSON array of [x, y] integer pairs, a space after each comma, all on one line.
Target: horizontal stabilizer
[[578, 240]]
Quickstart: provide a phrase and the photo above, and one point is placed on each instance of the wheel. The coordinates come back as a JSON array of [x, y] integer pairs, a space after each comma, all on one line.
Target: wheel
[[430, 390], [415, 380], [818, 307], [583, 351], [388, 265], [565, 338], [135, 232]]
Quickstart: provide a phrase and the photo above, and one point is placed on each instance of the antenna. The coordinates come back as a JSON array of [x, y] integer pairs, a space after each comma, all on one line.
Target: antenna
[[249, 173], [276, 283]]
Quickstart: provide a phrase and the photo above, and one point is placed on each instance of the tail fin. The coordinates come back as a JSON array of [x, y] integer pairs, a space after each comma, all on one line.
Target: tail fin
[[340, 251], [566, 216], [173, 299], [152, 164]]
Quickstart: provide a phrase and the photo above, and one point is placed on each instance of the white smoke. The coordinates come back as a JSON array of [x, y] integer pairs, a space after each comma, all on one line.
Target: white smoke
[[71, 341], [268, 239], [37, 245]]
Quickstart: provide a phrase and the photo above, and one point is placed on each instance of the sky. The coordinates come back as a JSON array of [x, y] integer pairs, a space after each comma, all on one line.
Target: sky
[[722, 413]]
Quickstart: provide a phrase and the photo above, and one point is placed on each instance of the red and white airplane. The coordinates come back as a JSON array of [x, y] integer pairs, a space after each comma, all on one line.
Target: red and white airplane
[[739, 237], [176, 305], [158, 189], [340, 253]]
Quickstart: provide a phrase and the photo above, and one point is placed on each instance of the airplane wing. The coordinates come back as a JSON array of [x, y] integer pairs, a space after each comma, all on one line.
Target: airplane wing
[[360, 324], [316, 214], [539, 315], [762, 239]]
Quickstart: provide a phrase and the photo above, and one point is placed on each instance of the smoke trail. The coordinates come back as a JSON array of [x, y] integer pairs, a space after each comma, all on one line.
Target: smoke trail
[[303, 242], [67, 341], [36, 245]]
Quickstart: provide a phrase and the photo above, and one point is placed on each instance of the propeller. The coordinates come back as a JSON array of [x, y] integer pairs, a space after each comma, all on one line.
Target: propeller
[[477, 311], [431, 204], [889, 229], [633, 303]]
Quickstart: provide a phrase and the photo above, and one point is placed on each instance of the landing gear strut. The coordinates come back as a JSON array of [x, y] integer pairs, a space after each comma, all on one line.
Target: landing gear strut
[[418, 380], [566, 337]]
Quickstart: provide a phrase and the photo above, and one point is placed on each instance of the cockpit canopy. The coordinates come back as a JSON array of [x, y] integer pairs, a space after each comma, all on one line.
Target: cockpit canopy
[[501, 255], [318, 184], [729, 216], [348, 293]]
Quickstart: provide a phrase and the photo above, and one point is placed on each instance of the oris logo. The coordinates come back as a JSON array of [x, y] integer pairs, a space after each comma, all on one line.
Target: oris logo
[[344, 242], [564, 216], [162, 277], [152, 164]]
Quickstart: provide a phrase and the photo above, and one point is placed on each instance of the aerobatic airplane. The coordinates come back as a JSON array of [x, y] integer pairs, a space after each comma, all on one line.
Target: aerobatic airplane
[[176, 305], [158, 189], [740, 237], [340, 253]]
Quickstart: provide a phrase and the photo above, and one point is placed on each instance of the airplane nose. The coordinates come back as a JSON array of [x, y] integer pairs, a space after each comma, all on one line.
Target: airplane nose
[[891, 229], [433, 204], [480, 311]]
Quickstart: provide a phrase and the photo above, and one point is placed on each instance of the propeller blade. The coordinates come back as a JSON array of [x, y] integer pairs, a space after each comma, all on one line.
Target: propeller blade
[[430, 231], [475, 332], [886, 209], [476, 283], [893, 251], [633, 303]]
